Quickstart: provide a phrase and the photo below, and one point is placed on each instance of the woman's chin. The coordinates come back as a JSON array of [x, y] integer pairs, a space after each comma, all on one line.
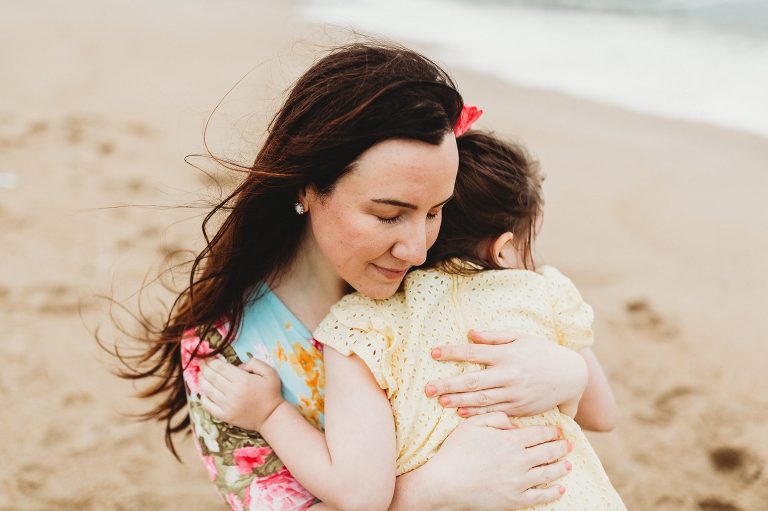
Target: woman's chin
[[378, 290]]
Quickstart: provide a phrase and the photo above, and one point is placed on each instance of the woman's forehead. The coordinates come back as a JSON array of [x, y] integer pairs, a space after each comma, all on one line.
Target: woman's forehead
[[405, 168]]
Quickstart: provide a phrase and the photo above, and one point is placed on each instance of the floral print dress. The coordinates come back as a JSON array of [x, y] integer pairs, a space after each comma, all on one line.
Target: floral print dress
[[247, 473]]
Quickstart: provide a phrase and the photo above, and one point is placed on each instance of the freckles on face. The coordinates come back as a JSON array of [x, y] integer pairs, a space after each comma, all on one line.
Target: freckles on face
[[382, 216]]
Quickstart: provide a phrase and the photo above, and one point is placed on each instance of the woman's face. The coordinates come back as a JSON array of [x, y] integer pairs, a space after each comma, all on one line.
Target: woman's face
[[383, 215]]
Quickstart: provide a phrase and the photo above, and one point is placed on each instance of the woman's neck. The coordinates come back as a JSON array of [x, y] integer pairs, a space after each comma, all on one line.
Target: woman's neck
[[310, 285]]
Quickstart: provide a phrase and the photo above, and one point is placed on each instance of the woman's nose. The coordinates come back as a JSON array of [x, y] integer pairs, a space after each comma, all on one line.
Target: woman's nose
[[412, 248]]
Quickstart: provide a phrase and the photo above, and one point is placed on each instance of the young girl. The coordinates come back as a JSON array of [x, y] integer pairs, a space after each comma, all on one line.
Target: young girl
[[479, 276]]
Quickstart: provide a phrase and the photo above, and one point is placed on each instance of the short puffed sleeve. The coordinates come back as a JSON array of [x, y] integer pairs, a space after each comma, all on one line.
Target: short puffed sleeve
[[573, 316], [357, 325]]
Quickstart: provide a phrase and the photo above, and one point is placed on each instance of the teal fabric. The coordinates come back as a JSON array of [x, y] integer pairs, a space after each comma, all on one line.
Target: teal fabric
[[267, 326]]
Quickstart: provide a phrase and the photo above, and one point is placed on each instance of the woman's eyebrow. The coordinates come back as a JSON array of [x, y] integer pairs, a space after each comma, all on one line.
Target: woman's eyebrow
[[401, 204]]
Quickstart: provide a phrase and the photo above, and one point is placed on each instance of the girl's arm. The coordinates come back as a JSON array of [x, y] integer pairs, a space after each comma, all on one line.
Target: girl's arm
[[597, 408], [352, 465]]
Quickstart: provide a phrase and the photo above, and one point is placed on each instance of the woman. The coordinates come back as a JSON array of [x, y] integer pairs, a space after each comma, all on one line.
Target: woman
[[346, 193]]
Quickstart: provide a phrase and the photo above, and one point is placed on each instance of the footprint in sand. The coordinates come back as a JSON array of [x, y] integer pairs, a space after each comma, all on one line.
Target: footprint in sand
[[137, 185], [105, 148], [666, 406], [30, 478], [53, 299], [37, 128], [139, 129], [20, 136], [735, 461], [715, 504], [642, 316]]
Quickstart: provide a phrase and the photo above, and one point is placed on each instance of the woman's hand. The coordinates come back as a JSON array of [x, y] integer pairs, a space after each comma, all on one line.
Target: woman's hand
[[488, 464], [524, 376], [244, 396]]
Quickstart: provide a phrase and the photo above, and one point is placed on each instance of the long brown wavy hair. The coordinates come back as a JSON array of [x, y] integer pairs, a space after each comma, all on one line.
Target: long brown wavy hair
[[355, 96], [498, 190]]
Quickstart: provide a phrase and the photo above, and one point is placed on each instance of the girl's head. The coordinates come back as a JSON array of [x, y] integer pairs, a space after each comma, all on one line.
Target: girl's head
[[364, 142], [493, 217]]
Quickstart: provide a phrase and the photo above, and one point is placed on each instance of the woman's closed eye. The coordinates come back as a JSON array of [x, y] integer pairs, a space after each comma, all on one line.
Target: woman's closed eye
[[389, 220], [394, 219]]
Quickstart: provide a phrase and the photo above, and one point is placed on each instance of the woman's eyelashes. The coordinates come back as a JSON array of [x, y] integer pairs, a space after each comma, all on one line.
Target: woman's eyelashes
[[394, 219], [390, 220]]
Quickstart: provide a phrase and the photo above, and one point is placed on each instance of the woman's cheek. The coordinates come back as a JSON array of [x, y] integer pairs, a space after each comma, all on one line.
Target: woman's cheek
[[433, 229]]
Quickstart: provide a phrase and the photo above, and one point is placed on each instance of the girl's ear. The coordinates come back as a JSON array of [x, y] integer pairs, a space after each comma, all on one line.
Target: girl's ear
[[503, 252]]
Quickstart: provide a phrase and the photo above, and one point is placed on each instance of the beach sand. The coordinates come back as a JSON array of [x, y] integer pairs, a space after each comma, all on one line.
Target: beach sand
[[660, 223]]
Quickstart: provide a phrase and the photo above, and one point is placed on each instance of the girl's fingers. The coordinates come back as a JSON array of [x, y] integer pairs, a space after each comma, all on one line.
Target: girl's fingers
[[497, 337], [479, 398], [256, 366], [210, 391], [546, 474], [224, 369], [477, 353], [534, 496], [213, 377], [549, 452], [469, 382], [212, 407], [494, 420]]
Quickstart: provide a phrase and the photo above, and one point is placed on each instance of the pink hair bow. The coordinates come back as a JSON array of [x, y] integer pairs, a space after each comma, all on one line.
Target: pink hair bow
[[467, 117]]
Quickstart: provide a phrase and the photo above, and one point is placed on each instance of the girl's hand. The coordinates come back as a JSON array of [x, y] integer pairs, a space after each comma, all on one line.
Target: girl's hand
[[244, 396], [524, 376], [488, 464]]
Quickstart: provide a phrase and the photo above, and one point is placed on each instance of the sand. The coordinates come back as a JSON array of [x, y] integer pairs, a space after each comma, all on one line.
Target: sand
[[660, 223]]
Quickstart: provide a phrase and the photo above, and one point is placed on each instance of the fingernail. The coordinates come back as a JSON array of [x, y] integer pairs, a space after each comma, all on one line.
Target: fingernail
[[431, 390], [562, 490], [570, 446], [463, 412], [436, 353], [445, 400], [568, 465]]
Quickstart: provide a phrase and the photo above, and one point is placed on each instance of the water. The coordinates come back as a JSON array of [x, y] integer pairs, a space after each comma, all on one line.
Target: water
[[700, 60]]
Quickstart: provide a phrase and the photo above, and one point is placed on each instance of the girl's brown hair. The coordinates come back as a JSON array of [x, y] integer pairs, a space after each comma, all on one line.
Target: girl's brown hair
[[351, 99], [498, 190]]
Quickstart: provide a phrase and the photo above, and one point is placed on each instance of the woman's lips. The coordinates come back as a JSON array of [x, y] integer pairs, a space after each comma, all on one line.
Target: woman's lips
[[389, 273]]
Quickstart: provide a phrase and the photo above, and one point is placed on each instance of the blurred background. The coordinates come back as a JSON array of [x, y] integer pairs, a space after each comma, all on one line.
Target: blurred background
[[649, 118]]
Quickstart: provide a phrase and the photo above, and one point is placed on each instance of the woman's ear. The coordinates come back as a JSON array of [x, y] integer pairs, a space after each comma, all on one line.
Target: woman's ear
[[306, 196], [503, 252]]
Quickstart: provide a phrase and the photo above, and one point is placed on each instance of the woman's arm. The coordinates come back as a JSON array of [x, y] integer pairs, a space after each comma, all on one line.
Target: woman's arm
[[351, 466], [485, 465]]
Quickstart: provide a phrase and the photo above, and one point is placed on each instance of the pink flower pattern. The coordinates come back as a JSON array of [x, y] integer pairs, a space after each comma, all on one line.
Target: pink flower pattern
[[210, 466], [264, 483], [235, 504], [192, 350], [278, 491], [247, 458]]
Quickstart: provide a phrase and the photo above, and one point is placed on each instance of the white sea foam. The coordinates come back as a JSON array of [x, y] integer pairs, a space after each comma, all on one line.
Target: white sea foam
[[661, 66]]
